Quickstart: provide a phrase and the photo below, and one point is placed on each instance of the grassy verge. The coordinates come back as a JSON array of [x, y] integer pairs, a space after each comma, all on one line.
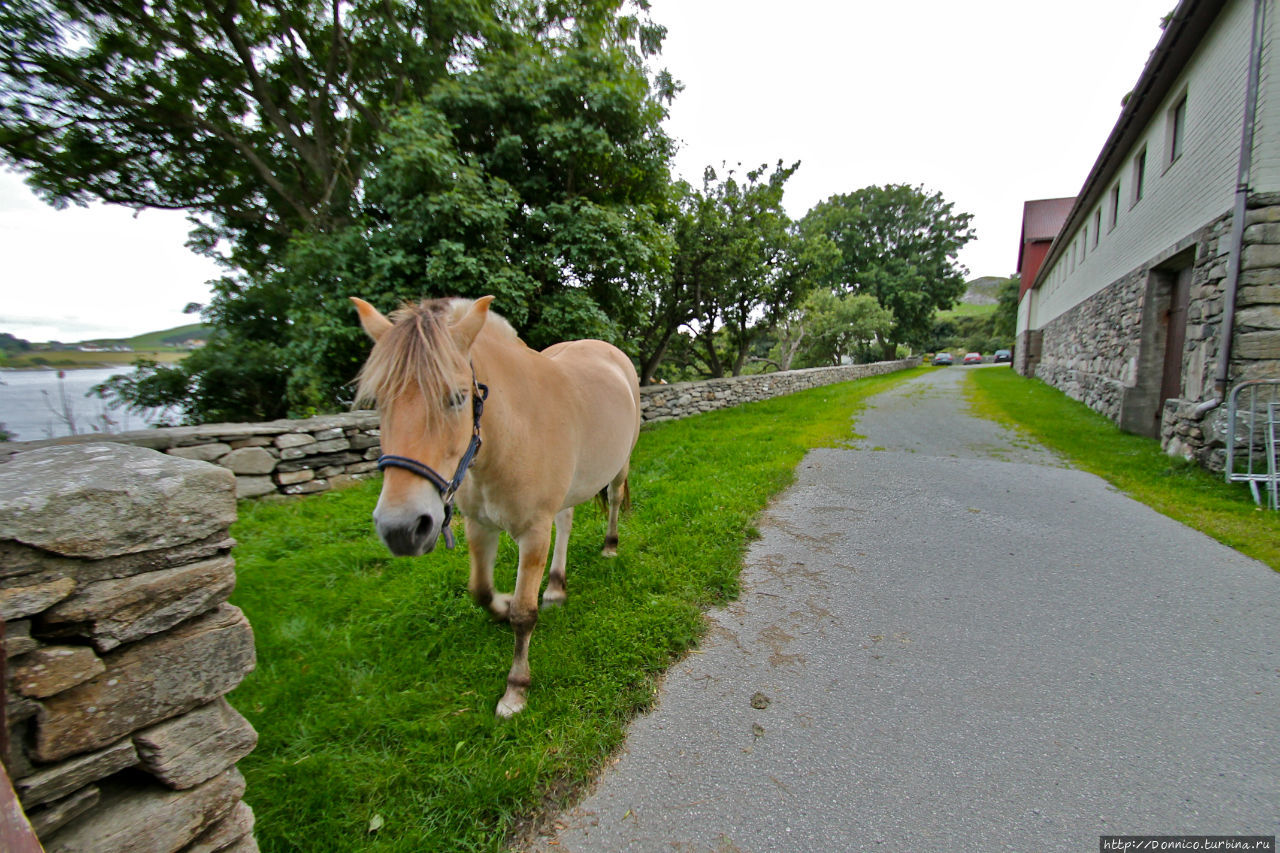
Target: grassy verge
[[377, 677], [1135, 465], [76, 360]]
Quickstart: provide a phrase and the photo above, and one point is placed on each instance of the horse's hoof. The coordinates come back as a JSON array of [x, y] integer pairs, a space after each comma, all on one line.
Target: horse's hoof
[[552, 601], [609, 551], [500, 607], [508, 708]]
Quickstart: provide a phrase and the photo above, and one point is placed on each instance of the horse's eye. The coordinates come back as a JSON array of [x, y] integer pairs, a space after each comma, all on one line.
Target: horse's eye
[[456, 399]]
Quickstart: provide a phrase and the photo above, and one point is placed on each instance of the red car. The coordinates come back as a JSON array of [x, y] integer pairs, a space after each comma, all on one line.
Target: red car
[[973, 358]]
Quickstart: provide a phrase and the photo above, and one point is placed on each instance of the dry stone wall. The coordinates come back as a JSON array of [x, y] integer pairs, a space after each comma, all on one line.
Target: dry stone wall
[[289, 457], [120, 645], [682, 399]]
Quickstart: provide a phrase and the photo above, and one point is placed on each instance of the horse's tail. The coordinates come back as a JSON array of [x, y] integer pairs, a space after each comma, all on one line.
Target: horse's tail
[[603, 497]]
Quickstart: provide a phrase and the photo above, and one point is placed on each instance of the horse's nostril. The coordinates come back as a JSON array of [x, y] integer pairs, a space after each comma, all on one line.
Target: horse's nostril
[[423, 530]]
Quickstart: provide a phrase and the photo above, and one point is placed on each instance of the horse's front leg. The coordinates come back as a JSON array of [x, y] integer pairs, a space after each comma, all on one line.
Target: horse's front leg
[[482, 548], [524, 614]]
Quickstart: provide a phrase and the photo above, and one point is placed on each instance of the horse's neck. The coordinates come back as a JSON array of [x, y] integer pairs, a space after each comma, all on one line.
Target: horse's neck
[[509, 370]]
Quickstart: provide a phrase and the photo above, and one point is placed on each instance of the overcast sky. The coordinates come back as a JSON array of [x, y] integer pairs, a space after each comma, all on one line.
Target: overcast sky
[[990, 102]]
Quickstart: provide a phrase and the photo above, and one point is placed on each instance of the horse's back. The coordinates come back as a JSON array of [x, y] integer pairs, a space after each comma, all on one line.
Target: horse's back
[[604, 389], [600, 365]]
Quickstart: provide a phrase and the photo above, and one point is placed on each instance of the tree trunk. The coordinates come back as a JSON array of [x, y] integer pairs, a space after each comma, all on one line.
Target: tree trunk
[[649, 366], [714, 366], [789, 349]]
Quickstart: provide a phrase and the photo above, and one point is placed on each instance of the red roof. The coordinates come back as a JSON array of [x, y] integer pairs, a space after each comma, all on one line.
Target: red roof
[[1042, 220]]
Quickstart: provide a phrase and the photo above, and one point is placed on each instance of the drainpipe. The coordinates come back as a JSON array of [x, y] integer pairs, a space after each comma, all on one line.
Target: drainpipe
[[1238, 215]]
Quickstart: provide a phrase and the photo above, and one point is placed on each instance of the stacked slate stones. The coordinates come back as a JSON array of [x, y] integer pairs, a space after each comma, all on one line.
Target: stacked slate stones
[[115, 570]]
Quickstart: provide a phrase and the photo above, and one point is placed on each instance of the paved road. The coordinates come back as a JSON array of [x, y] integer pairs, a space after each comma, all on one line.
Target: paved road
[[947, 640]]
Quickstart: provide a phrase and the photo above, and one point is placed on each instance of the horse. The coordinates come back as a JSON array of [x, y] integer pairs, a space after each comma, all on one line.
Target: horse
[[557, 426]]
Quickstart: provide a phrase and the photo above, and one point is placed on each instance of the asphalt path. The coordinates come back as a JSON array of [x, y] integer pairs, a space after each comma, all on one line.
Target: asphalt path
[[949, 640]]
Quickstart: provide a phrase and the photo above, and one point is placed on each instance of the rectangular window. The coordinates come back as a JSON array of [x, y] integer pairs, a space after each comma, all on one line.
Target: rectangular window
[[1115, 205], [1139, 175], [1084, 243], [1097, 226], [1177, 129]]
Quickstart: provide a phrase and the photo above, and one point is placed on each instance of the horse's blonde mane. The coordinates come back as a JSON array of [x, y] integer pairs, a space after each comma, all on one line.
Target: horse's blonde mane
[[418, 352]]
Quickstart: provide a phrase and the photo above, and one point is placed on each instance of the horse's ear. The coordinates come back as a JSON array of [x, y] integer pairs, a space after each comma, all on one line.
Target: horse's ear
[[372, 320], [470, 324]]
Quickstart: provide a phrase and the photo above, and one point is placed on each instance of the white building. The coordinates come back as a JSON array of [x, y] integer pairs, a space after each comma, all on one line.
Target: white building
[[1161, 260]]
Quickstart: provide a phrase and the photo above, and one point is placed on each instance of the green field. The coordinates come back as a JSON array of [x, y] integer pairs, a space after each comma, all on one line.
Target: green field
[[964, 309], [377, 676], [151, 346]]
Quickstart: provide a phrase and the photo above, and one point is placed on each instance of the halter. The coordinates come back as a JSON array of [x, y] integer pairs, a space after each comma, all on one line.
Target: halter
[[447, 488]]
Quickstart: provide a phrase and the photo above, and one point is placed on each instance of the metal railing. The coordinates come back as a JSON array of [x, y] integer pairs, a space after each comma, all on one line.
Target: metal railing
[[1253, 439]]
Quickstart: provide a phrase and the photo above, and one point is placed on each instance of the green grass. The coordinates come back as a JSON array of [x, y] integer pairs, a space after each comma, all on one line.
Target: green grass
[[377, 677], [1135, 465], [75, 360], [150, 345], [965, 309]]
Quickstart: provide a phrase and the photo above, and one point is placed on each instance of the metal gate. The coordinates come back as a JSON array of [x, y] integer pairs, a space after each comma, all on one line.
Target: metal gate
[[1253, 439]]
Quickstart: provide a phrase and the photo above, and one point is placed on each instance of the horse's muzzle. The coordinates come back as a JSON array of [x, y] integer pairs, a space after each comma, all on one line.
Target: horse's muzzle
[[409, 536]]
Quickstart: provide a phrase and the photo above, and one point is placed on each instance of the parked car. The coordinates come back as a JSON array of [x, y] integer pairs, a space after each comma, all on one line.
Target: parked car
[[1003, 355], [943, 358], [973, 358]]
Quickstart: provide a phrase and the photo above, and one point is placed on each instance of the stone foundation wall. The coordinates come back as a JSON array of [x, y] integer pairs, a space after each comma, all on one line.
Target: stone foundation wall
[[1108, 351], [120, 645], [1090, 353], [1255, 350], [298, 457]]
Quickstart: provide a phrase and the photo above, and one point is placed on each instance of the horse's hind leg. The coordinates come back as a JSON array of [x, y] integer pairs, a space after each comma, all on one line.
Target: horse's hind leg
[[617, 493], [555, 592]]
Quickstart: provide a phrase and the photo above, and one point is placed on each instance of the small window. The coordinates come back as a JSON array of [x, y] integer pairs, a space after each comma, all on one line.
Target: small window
[[1177, 129], [1084, 243], [1139, 175], [1115, 205], [1097, 226]]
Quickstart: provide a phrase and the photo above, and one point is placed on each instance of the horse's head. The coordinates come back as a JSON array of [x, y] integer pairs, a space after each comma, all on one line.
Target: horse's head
[[420, 375]]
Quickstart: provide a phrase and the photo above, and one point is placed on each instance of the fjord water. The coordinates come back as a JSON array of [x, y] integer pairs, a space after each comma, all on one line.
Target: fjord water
[[31, 404]]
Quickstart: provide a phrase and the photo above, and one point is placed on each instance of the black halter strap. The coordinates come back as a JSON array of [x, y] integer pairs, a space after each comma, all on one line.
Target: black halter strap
[[447, 488]]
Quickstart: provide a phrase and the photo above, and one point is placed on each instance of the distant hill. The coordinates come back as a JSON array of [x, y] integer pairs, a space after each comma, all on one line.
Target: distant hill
[[982, 291], [176, 337]]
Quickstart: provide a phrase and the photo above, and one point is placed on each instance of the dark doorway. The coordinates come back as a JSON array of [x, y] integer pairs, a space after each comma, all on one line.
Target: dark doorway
[[1175, 323]]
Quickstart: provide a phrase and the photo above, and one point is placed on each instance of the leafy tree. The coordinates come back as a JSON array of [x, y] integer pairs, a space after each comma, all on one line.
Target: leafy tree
[[672, 299], [1006, 319], [899, 244], [541, 181], [271, 123], [747, 281], [840, 325], [740, 263]]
